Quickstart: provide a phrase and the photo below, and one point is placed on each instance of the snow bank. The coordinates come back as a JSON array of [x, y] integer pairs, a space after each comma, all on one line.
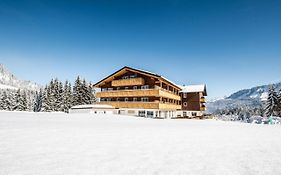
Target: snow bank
[[50, 143]]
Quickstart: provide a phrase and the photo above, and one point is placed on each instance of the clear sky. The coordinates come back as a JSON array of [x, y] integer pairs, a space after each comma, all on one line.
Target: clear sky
[[227, 44]]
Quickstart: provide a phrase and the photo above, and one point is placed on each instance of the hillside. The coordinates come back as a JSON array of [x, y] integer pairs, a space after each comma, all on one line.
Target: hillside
[[10, 81], [252, 97]]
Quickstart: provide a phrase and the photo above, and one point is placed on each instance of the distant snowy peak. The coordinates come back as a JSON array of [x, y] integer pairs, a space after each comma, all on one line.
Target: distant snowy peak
[[216, 99], [247, 97], [258, 92], [9, 81]]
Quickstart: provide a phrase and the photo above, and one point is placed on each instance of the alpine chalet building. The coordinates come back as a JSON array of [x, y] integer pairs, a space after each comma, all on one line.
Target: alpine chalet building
[[141, 93]]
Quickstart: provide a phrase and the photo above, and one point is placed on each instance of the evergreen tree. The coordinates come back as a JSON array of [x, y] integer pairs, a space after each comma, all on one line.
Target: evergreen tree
[[3, 102], [272, 102], [38, 101], [51, 91], [9, 101], [23, 102], [279, 102], [86, 98], [67, 97], [91, 94], [77, 92], [58, 96], [45, 100], [17, 98]]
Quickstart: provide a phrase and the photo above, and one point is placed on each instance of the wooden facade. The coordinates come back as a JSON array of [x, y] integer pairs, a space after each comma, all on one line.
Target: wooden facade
[[133, 88], [138, 89], [194, 101]]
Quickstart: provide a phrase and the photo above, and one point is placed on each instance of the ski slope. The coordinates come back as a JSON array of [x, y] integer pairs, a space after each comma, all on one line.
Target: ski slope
[[57, 143]]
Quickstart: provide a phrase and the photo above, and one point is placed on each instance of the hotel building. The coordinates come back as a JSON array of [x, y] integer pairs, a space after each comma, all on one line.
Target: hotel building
[[137, 92]]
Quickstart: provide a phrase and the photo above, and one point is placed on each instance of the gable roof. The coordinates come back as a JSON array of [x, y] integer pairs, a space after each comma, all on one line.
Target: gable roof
[[125, 68], [194, 88]]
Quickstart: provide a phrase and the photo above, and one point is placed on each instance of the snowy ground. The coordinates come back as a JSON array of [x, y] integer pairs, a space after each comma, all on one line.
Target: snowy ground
[[33, 144]]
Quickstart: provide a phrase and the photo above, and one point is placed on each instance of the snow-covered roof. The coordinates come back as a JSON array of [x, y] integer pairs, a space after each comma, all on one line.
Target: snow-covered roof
[[194, 88], [92, 106]]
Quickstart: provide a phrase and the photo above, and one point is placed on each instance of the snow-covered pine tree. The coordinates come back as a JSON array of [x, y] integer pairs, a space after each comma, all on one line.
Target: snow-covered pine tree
[[58, 95], [67, 97], [91, 93], [272, 102], [51, 94], [17, 98], [38, 101], [45, 102], [77, 92], [23, 102], [279, 102], [85, 93], [3, 104], [9, 100]]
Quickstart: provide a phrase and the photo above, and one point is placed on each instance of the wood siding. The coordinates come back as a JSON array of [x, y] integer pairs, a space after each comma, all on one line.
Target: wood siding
[[138, 93], [193, 101], [128, 82]]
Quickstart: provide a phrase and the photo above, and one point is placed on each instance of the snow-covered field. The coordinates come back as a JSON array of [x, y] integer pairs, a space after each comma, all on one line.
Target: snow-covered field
[[34, 144]]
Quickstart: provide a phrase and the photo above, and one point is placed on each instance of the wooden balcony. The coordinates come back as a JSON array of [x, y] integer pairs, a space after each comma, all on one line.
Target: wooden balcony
[[202, 100], [128, 82], [202, 108], [142, 105], [169, 106], [138, 93]]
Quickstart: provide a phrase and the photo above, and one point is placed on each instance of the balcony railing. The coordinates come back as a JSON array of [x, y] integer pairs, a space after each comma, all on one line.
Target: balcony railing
[[202, 100], [152, 92], [128, 82], [141, 105], [202, 108]]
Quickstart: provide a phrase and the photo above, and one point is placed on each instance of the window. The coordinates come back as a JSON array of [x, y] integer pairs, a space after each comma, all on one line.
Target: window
[[110, 89], [185, 104], [135, 87], [103, 89], [108, 99], [184, 114], [144, 99], [184, 95], [145, 87], [117, 99], [142, 113], [135, 99], [126, 88], [149, 114], [125, 77], [126, 99], [133, 76], [118, 88], [194, 114]]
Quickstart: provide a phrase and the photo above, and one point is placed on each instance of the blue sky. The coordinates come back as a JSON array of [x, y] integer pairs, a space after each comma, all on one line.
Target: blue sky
[[229, 45]]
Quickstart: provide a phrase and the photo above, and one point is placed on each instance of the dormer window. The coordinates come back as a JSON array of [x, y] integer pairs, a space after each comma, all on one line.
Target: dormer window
[[133, 76], [125, 77]]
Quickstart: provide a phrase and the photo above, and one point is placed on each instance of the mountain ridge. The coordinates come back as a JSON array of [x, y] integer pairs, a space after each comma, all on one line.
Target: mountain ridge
[[252, 97], [10, 81]]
